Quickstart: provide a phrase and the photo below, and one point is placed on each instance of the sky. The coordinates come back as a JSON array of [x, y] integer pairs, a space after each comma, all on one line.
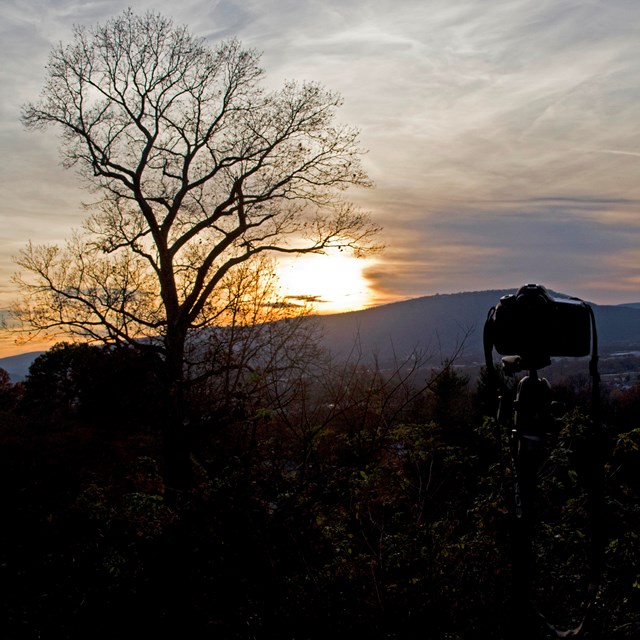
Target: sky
[[502, 136]]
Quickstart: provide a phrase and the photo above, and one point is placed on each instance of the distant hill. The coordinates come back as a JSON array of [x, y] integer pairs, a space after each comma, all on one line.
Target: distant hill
[[438, 324], [18, 366], [432, 325]]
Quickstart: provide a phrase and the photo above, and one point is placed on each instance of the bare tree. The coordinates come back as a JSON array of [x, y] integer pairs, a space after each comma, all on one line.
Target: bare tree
[[198, 170]]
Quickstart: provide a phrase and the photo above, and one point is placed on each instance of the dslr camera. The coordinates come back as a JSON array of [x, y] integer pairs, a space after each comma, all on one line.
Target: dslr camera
[[536, 326]]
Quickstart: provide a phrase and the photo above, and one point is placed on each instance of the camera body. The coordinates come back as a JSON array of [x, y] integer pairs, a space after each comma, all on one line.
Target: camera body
[[534, 325]]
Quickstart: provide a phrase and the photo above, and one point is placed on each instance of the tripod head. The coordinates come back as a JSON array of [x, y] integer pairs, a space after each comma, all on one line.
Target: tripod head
[[516, 364]]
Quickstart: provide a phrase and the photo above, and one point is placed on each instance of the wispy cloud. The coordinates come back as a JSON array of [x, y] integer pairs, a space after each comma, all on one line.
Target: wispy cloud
[[620, 152]]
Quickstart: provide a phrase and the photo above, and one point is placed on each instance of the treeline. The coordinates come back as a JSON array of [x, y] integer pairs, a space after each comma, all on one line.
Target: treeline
[[330, 500]]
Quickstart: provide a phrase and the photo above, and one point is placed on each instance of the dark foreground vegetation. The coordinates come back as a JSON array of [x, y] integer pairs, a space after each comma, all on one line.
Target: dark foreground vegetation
[[361, 503]]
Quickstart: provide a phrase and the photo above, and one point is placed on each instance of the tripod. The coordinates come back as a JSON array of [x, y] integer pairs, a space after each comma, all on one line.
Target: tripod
[[532, 418]]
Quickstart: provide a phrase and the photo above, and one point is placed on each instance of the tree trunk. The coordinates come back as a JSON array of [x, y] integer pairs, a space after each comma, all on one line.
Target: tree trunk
[[176, 441]]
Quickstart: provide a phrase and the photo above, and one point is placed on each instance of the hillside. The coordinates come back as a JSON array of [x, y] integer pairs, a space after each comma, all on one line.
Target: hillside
[[433, 325]]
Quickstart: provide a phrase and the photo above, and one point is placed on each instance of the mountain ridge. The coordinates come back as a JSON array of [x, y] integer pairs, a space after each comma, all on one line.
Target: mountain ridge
[[438, 325]]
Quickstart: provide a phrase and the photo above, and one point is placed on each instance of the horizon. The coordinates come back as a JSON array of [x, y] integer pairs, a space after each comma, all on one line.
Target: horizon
[[11, 350]]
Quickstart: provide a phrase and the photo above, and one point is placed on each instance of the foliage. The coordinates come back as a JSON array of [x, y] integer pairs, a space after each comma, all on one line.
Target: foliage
[[108, 384], [326, 514], [10, 393]]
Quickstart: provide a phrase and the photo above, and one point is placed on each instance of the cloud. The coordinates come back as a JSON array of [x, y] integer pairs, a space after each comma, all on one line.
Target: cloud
[[635, 154], [562, 242]]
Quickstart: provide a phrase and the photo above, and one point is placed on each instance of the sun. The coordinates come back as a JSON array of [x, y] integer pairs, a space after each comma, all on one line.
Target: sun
[[332, 283]]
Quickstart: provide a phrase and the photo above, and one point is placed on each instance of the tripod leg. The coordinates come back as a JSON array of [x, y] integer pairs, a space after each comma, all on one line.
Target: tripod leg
[[524, 475], [527, 443]]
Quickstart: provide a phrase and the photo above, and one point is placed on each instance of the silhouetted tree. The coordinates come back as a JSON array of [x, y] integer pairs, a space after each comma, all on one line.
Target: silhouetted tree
[[200, 170], [9, 392], [61, 380]]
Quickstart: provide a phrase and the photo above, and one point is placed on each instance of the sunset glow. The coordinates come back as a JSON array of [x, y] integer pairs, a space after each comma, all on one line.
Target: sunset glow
[[331, 283]]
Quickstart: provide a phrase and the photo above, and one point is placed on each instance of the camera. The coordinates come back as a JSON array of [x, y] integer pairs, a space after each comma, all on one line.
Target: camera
[[536, 326]]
